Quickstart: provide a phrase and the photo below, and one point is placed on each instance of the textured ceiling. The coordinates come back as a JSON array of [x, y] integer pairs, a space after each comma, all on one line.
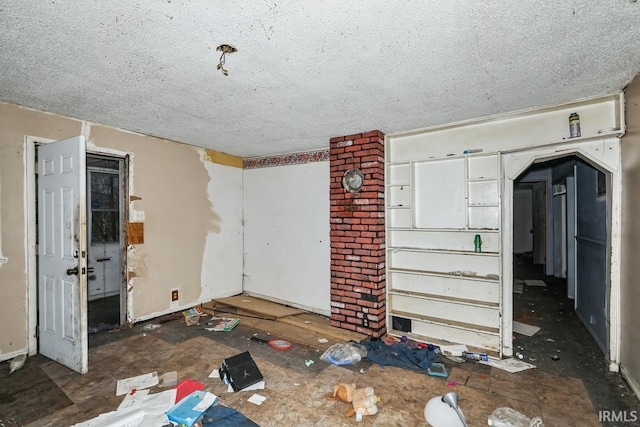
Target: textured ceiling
[[307, 71]]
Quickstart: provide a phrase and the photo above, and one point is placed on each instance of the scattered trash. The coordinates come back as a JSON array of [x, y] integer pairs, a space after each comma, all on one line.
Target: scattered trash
[[151, 327], [17, 363], [169, 379], [452, 384], [139, 382], [277, 344], [257, 399], [344, 354], [524, 329], [518, 288], [296, 384], [186, 387], [508, 417], [240, 371], [555, 357], [189, 409], [140, 408], [535, 283], [215, 373], [455, 359], [308, 362], [133, 399], [362, 371], [550, 340], [453, 350], [519, 355], [223, 324], [307, 321], [475, 356], [510, 365], [437, 370], [323, 340], [192, 316]]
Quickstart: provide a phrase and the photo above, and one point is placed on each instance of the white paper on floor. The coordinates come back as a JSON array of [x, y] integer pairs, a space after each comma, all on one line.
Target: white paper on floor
[[132, 401], [453, 350], [538, 283], [140, 382], [524, 329], [257, 399], [257, 386], [509, 365], [149, 411], [518, 288], [215, 373]]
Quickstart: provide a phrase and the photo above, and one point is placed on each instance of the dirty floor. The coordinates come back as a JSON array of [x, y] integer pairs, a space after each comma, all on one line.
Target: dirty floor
[[565, 392]]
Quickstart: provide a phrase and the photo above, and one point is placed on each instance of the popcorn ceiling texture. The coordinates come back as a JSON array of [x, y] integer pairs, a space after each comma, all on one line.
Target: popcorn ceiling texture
[[306, 71]]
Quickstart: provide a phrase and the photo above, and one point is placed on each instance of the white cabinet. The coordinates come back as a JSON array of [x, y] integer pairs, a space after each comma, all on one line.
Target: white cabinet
[[439, 289]]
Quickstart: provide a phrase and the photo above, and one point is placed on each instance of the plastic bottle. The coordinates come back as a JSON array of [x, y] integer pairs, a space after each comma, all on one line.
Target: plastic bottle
[[574, 125], [474, 356], [477, 243]]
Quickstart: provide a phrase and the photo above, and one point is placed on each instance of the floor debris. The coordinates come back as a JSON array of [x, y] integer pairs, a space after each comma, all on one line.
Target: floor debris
[[139, 382], [509, 365], [524, 329], [535, 283]]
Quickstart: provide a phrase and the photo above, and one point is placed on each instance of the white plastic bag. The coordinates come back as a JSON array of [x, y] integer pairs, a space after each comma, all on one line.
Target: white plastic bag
[[508, 417], [344, 354]]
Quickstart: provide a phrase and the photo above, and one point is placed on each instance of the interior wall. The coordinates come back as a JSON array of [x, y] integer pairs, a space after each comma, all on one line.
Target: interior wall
[[629, 287], [190, 210], [286, 234]]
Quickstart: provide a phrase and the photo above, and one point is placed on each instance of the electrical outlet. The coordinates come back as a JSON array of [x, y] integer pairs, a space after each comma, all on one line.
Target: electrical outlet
[[174, 295]]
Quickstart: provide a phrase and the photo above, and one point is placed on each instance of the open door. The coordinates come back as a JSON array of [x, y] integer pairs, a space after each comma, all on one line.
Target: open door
[[539, 222], [62, 269]]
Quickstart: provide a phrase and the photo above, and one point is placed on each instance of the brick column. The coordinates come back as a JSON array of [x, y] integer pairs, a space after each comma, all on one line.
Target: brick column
[[358, 298]]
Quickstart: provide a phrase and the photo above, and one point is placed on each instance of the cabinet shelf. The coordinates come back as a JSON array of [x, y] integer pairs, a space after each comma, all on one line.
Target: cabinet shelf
[[445, 275], [482, 179], [445, 322], [448, 230], [440, 251], [425, 296]]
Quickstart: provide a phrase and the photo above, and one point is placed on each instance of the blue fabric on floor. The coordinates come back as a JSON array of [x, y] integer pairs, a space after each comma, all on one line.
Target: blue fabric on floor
[[400, 355], [222, 416]]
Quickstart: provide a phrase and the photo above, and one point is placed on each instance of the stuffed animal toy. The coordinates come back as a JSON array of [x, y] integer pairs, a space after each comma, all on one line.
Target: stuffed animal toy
[[342, 392], [364, 403]]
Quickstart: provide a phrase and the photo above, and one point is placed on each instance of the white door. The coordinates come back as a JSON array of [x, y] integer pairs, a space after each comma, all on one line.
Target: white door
[[62, 279]]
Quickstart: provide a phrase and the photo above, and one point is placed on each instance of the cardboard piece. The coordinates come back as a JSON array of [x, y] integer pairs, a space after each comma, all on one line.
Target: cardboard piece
[[524, 329]]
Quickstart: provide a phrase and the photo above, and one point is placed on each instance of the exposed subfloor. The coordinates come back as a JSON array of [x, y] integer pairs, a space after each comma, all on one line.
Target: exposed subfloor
[[566, 392]]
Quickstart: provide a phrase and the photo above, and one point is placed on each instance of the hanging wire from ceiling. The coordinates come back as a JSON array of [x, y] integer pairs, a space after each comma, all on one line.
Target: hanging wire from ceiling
[[225, 49]]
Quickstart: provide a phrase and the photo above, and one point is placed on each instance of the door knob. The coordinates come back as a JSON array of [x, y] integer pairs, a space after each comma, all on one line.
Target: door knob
[[72, 271]]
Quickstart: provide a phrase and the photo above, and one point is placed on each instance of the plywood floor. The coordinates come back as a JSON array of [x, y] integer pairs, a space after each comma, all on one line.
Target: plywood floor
[[295, 391]]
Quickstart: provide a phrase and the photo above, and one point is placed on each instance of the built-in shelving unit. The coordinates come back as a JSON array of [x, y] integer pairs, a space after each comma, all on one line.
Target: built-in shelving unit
[[439, 288]]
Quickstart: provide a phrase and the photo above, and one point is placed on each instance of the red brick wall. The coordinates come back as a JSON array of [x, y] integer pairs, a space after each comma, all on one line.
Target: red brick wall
[[357, 235]]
